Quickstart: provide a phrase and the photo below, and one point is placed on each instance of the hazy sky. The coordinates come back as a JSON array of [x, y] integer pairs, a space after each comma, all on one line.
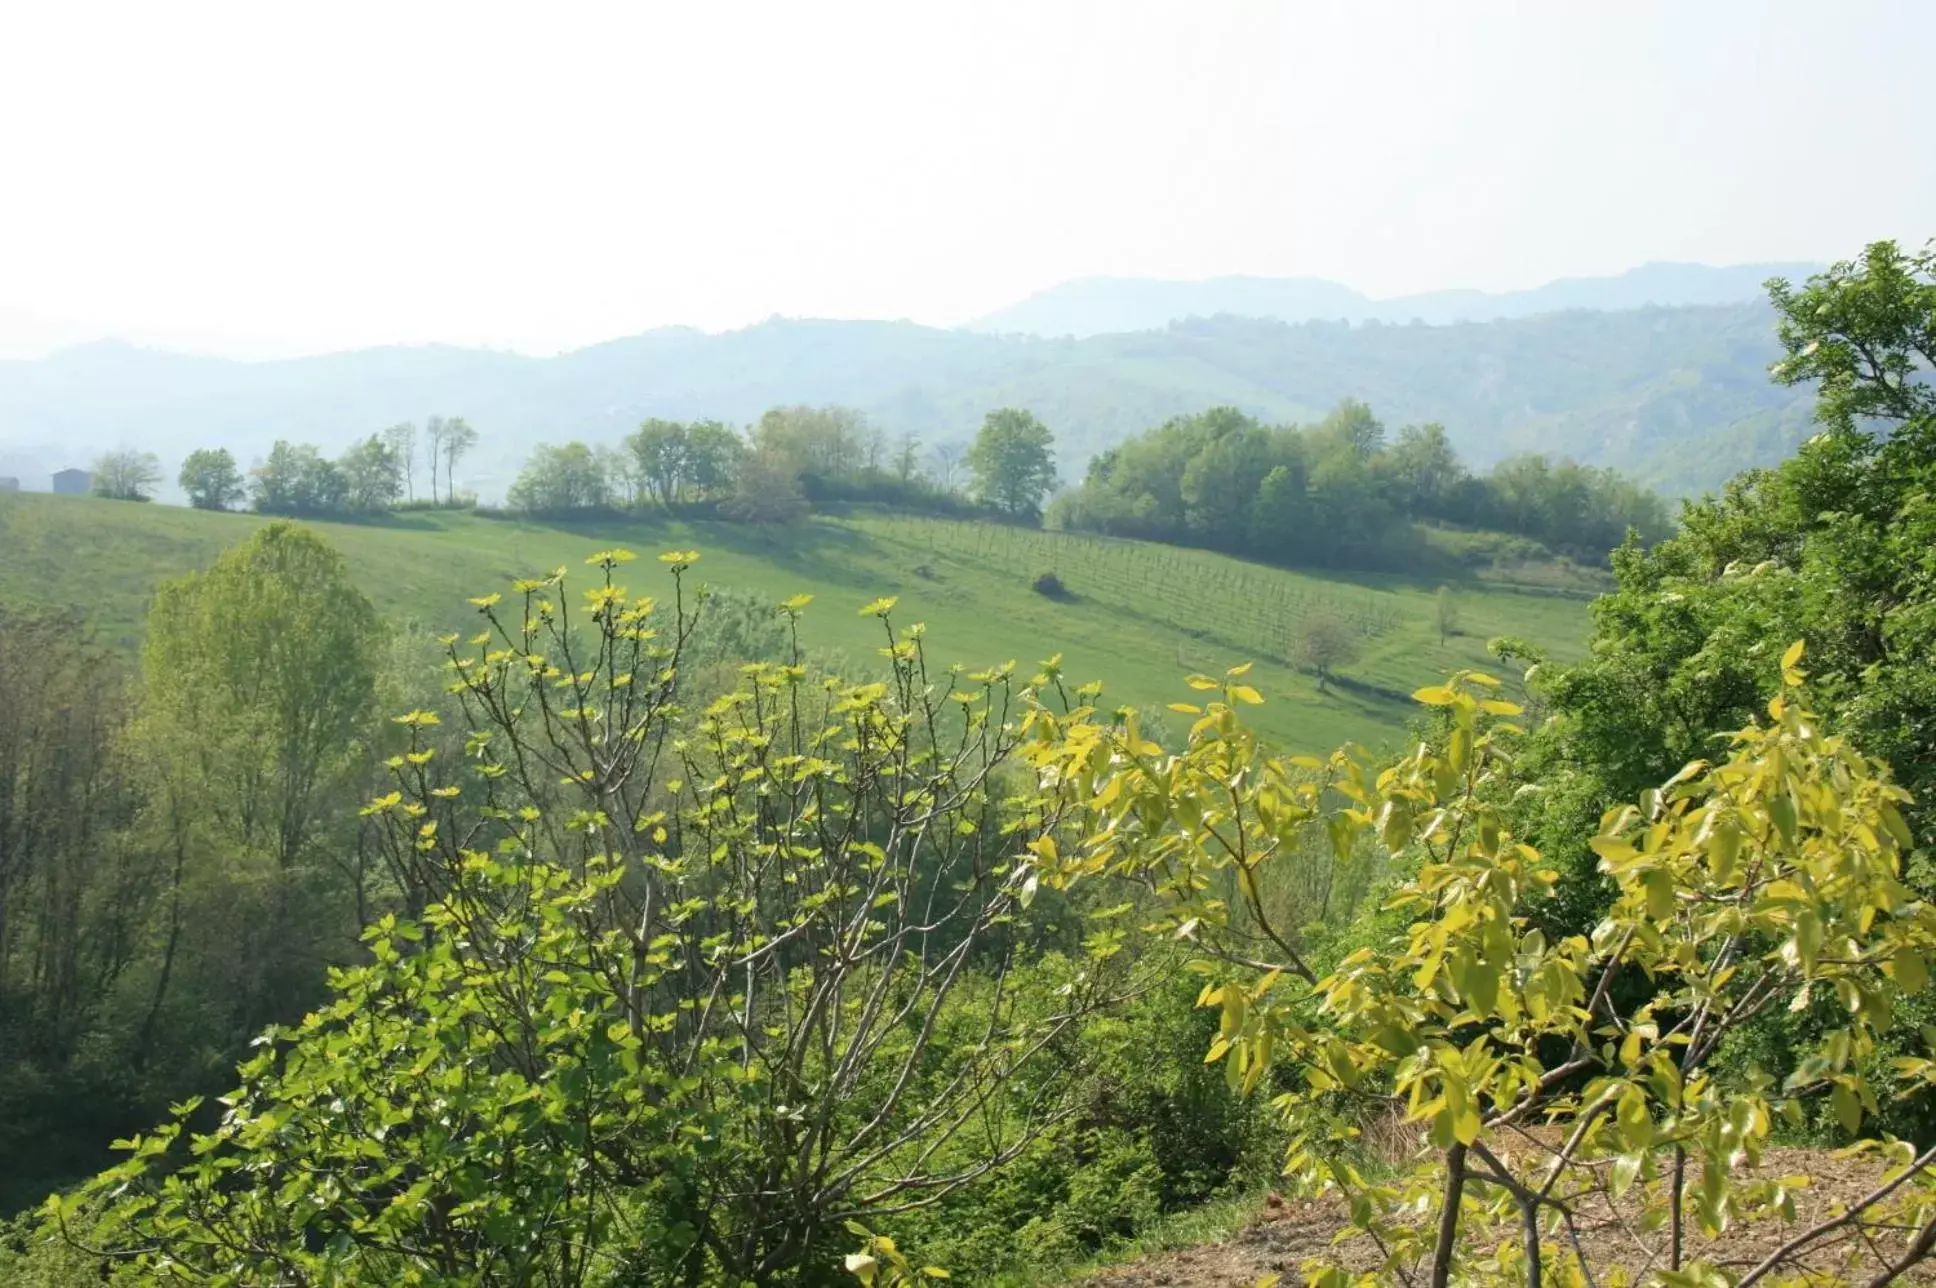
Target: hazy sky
[[258, 176]]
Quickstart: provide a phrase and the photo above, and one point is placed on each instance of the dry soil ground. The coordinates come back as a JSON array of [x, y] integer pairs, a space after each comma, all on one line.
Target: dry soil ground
[[1288, 1233]]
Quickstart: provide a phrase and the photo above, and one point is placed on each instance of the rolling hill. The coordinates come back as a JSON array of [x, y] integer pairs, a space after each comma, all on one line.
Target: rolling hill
[[1678, 396], [1138, 616]]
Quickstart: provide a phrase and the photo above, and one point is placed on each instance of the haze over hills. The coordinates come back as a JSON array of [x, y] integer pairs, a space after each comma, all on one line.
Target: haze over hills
[[1096, 305], [1678, 396]]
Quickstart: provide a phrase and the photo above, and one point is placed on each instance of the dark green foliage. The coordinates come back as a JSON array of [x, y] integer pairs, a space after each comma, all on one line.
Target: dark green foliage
[[1337, 494], [1049, 584], [178, 854], [1158, 1132], [1834, 548]]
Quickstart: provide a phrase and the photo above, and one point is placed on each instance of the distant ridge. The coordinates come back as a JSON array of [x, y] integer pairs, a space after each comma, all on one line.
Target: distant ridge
[[1679, 396], [1104, 305]]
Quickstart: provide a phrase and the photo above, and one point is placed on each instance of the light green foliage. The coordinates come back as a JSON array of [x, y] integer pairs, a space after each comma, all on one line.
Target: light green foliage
[[687, 987], [257, 701], [880, 1263], [125, 475], [1746, 886], [1013, 461], [211, 481], [558, 480], [1139, 614]]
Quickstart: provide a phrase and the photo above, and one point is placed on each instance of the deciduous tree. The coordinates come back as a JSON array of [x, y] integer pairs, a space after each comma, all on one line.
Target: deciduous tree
[[372, 475], [457, 441], [1013, 461], [211, 480], [126, 475], [557, 480]]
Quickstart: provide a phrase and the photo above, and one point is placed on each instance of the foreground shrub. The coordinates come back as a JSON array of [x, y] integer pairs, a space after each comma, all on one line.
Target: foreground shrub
[[671, 995], [1756, 883]]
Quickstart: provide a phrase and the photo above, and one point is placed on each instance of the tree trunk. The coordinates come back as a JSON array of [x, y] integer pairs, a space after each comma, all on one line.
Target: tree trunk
[[1449, 1216]]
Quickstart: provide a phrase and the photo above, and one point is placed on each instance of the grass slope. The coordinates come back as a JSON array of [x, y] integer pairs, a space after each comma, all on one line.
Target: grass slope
[[1138, 616]]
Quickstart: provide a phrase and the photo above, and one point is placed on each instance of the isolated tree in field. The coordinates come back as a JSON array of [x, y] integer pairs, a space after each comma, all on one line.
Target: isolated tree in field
[[458, 439], [126, 475], [211, 480], [372, 476], [1013, 461], [1445, 613], [557, 480], [1321, 643], [766, 488], [401, 439]]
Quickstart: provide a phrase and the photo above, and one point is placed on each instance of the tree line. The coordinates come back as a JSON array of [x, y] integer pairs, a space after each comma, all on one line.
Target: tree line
[[1339, 493], [1342, 493], [374, 474], [1335, 494], [792, 459]]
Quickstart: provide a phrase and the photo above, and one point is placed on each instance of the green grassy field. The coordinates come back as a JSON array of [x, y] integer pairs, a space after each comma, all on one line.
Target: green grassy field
[[1137, 616]]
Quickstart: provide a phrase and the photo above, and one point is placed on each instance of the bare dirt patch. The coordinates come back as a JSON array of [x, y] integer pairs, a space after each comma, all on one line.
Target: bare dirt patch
[[1287, 1233]]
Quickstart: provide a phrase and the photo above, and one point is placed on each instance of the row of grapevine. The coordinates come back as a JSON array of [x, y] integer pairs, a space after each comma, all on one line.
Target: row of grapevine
[[1247, 606]]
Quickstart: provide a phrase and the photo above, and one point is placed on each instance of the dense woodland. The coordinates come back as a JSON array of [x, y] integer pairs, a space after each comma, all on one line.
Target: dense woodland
[[616, 940], [1342, 493]]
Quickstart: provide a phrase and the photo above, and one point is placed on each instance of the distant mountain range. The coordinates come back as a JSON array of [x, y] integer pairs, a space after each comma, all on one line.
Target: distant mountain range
[[1099, 305], [1678, 396]]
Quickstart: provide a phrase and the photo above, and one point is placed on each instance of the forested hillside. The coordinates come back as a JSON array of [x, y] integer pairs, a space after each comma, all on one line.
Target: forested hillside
[[1679, 398]]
